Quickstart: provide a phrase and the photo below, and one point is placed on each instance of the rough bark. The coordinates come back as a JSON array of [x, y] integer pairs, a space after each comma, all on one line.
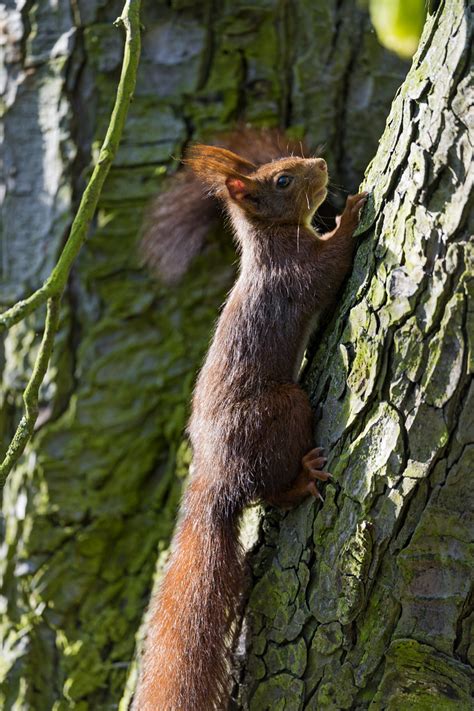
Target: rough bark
[[366, 601], [92, 503]]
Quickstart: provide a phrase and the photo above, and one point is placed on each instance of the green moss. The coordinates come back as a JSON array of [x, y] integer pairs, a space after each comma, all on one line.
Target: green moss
[[286, 657], [420, 678], [256, 667], [282, 692], [336, 693], [328, 638], [267, 592]]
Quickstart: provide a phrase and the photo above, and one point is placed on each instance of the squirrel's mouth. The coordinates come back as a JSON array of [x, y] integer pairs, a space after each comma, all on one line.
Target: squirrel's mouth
[[318, 198], [320, 193]]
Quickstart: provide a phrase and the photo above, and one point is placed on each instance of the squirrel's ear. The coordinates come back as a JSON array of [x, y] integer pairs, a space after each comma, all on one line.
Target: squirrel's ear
[[215, 166], [238, 188]]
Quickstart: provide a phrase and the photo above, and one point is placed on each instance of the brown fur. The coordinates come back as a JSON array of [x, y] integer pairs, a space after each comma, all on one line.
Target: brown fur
[[251, 423], [180, 218]]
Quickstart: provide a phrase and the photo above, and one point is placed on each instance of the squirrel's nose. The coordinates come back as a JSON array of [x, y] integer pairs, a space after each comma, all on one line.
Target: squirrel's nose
[[321, 164]]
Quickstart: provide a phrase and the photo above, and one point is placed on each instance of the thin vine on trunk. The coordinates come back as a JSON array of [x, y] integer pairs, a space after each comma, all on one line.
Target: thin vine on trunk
[[53, 287]]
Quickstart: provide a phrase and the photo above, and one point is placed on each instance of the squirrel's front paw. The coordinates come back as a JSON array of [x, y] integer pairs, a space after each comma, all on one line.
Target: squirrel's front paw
[[349, 219]]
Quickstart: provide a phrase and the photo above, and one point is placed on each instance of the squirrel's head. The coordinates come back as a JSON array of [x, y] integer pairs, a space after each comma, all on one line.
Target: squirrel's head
[[286, 191]]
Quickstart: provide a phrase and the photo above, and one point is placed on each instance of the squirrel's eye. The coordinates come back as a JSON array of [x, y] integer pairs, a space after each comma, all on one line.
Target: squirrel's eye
[[283, 181]]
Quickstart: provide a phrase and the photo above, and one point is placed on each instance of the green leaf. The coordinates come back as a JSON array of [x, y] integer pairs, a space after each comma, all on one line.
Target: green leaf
[[399, 24]]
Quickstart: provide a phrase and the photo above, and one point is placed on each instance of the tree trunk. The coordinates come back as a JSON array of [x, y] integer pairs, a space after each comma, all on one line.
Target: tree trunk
[[366, 602], [93, 501]]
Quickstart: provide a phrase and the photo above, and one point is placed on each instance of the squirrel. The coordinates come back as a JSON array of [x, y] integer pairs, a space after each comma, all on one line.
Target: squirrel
[[251, 423]]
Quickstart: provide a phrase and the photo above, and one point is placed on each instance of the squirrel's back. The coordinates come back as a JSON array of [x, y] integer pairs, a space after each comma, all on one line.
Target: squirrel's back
[[180, 218]]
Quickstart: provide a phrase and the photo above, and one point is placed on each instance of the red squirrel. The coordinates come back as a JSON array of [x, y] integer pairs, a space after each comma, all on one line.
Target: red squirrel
[[251, 423]]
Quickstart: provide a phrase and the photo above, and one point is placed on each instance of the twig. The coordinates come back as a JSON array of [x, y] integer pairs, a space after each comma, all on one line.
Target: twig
[[30, 396], [54, 285]]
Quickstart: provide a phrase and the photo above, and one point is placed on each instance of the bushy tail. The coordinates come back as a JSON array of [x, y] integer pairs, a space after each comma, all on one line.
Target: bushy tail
[[180, 218], [186, 661]]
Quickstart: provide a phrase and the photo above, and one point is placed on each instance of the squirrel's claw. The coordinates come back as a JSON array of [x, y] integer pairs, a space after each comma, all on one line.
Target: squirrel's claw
[[314, 491]]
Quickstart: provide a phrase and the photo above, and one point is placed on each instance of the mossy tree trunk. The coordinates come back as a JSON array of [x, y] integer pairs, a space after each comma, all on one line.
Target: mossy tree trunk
[[92, 503], [366, 602]]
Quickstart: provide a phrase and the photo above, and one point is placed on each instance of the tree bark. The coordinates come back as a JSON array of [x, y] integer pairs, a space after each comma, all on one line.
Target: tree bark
[[92, 503], [366, 601]]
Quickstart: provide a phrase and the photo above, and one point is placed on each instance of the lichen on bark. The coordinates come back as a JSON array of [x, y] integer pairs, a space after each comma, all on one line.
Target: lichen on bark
[[383, 609]]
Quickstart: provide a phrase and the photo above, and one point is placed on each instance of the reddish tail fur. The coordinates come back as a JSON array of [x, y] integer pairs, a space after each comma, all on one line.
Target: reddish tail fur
[[186, 666], [180, 218]]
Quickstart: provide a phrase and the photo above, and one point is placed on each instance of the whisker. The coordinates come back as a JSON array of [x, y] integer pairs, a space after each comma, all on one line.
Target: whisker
[[324, 220], [298, 238], [302, 151], [339, 187], [319, 150], [307, 200]]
